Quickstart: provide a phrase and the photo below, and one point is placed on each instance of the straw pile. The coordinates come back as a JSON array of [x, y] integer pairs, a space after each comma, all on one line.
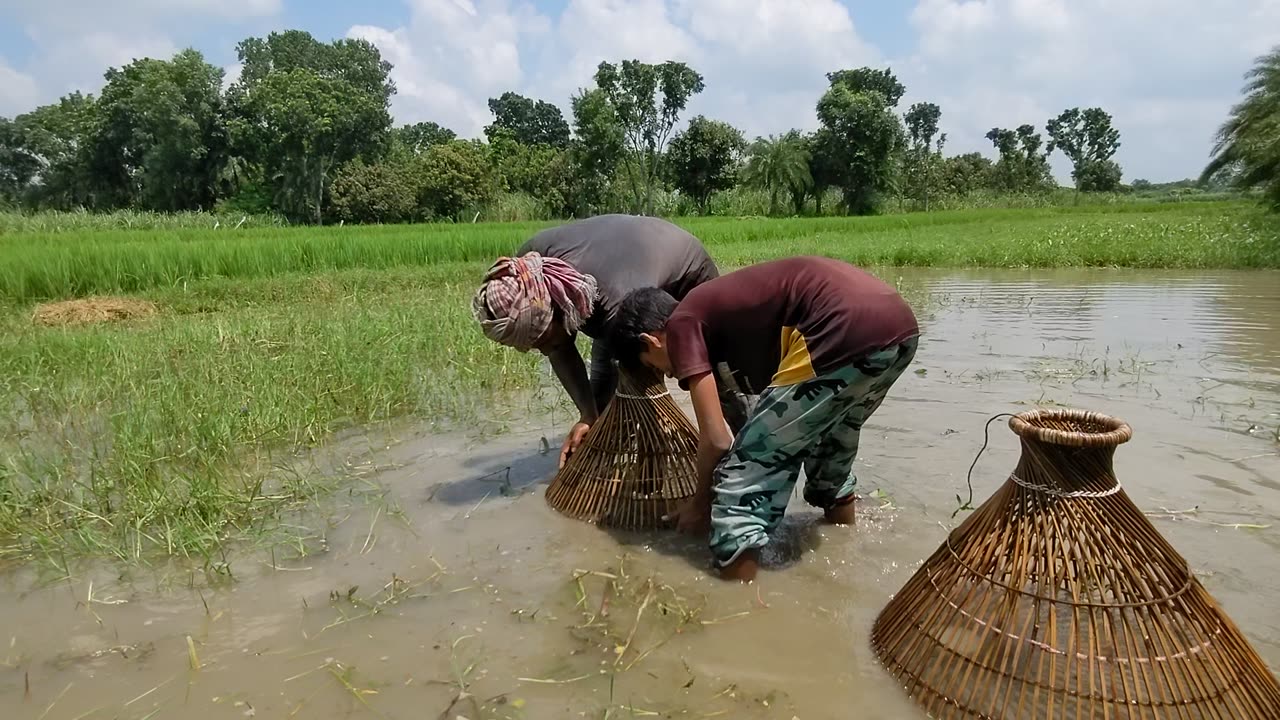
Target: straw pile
[[1057, 598], [636, 464], [85, 311]]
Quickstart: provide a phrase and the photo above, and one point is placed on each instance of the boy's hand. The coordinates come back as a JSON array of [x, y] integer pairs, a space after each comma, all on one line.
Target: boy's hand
[[694, 516], [572, 441]]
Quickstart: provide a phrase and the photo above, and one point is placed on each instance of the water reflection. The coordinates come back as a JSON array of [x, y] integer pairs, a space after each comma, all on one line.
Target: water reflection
[[1209, 339]]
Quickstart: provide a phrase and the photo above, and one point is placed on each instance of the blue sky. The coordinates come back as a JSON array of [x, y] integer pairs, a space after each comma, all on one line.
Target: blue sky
[[1168, 70]]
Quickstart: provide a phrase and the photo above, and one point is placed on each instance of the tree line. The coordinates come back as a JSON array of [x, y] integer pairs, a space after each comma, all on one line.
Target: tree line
[[306, 131]]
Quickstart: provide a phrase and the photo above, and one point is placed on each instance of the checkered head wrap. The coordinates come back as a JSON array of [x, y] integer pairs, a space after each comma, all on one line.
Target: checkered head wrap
[[518, 299]]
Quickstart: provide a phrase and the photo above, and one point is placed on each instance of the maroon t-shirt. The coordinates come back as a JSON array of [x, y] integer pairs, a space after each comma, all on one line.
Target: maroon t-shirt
[[785, 321]]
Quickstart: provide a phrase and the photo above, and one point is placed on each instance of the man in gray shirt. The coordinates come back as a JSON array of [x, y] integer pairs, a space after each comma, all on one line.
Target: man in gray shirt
[[573, 278]]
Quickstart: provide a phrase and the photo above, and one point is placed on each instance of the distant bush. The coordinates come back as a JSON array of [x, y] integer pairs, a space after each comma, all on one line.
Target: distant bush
[[385, 192]]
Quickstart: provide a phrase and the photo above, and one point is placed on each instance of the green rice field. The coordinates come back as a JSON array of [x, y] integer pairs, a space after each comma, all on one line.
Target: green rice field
[[45, 265]]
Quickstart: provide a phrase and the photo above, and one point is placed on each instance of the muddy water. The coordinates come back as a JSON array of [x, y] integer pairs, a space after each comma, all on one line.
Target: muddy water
[[483, 608]]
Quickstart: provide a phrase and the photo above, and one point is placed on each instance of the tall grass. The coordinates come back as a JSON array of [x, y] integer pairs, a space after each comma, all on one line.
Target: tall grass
[[175, 434], [70, 221], [43, 266]]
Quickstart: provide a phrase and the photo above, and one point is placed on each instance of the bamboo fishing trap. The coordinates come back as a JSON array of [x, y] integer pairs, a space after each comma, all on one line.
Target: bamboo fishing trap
[[1057, 598], [636, 464]]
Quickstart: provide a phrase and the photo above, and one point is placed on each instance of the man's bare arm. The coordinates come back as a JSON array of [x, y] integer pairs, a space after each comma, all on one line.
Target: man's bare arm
[[572, 373]]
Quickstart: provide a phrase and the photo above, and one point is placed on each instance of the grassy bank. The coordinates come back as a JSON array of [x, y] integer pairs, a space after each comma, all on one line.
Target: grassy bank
[[43, 266], [178, 433]]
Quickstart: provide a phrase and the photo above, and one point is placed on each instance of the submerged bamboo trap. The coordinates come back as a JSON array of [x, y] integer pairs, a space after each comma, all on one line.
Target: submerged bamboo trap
[[1058, 598], [636, 464]]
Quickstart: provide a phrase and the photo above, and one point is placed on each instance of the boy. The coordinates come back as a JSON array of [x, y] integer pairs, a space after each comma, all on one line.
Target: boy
[[572, 278], [820, 340]]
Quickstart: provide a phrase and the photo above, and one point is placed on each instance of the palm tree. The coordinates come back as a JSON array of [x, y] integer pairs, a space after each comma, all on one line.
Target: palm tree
[[1248, 143], [779, 164]]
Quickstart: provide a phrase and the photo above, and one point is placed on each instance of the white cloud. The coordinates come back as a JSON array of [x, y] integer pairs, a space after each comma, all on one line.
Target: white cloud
[[1168, 71], [75, 41], [63, 65], [452, 56], [592, 31], [231, 75], [766, 61], [18, 91], [771, 34]]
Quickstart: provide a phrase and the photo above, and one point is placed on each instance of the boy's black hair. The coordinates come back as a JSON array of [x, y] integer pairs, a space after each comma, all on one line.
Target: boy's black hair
[[641, 311]]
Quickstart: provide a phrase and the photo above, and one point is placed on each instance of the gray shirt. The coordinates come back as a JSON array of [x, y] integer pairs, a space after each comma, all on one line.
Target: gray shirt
[[626, 253]]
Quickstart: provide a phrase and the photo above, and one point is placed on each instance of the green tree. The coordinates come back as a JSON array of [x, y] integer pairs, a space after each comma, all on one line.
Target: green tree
[[779, 164], [161, 140], [58, 138], [867, 79], [1246, 153], [1102, 176], [530, 122], [18, 166], [704, 159], [542, 172], [922, 129], [306, 125], [416, 138], [1023, 165], [858, 111], [596, 150], [303, 108], [355, 62], [825, 164], [967, 173], [633, 89], [1089, 141], [382, 192], [454, 176]]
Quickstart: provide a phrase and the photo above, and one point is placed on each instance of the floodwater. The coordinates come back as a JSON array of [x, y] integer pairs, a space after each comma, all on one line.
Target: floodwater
[[457, 597]]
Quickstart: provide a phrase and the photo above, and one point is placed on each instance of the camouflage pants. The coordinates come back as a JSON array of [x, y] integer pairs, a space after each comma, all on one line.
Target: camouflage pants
[[813, 424]]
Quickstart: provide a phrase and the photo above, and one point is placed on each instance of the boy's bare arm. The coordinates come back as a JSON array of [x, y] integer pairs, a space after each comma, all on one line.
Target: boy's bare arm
[[714, 438]]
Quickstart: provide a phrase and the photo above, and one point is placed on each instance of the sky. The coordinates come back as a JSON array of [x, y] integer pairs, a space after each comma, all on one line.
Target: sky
[[1167, 70]]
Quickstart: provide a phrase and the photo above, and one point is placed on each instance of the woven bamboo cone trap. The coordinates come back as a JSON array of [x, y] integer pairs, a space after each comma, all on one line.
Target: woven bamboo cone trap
[[636, 464], [1057, 598]]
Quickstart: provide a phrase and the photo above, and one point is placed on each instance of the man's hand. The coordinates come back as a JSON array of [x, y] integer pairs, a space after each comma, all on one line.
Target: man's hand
[[694, 516], [572, 441]]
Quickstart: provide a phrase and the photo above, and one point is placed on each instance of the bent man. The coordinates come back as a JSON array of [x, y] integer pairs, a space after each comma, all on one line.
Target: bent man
[[573, 278], [820, 340]]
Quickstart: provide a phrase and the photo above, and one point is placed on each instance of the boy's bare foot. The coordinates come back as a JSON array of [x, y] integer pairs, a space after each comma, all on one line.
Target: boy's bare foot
[[744, 568], [842, 514]]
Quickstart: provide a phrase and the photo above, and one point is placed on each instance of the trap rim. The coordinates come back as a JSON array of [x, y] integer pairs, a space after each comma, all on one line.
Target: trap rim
[[1037, 425]]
